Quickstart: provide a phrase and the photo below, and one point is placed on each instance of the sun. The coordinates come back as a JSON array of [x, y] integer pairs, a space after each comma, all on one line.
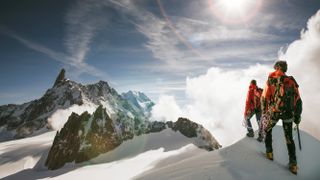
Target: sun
[[234, 11], [234, 6]]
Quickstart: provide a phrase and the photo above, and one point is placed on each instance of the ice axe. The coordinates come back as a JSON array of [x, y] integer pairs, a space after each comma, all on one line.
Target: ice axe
[[298, 131]]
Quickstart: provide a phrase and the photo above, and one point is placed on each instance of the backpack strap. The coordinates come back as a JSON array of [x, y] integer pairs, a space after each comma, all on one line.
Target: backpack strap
[[292, 78]]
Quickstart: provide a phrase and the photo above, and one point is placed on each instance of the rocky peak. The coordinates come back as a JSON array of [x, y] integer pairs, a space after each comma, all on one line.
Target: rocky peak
[[19, 121], [82, 138], [186, 127], [100, 89], [66, 142], [61, 77], [139, 101], [86, 136], [138, 95], [194, 130]]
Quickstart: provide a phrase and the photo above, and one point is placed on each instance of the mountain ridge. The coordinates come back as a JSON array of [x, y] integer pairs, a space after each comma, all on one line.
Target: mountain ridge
[[19, 121], [86, 136]]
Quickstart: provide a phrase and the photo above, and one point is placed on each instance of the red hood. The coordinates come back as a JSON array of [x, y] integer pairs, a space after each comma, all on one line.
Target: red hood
[[252, 86], [276, 74]]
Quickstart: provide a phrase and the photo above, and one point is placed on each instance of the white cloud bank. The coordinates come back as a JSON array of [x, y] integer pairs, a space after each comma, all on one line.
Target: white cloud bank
[[217, 98], [303, 57], [166, 109]]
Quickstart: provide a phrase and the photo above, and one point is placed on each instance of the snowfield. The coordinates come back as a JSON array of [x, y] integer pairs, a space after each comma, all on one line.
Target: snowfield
[[164, 155], [245, 160]]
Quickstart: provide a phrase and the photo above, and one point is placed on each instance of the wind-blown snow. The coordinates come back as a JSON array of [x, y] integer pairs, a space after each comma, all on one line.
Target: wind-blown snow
[[57, 120]]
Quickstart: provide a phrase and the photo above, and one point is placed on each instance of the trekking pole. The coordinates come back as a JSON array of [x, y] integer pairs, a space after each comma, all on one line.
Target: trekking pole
[[299, 136]]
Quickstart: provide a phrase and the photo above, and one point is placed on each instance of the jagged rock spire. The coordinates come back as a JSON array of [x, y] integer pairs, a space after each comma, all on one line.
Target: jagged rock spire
[[61, 77]]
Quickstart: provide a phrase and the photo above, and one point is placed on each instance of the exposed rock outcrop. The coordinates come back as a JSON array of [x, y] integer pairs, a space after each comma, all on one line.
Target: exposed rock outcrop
[[61, 77], [86, 136], [82, 138]]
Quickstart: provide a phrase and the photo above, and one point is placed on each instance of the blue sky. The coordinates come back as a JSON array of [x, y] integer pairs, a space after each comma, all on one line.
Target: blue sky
[[144, 45]]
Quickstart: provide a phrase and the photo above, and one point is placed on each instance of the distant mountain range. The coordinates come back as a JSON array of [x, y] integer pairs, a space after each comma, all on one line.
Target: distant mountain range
[[91, 120], [19, 121]]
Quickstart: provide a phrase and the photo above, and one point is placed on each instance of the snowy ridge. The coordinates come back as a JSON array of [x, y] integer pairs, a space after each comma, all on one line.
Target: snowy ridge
[[244, 160], [52, 110], [86, 136], [165, 155]]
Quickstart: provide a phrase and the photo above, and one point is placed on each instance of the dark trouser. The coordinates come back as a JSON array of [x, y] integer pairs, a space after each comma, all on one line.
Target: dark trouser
[[258, 116], [287, 128]]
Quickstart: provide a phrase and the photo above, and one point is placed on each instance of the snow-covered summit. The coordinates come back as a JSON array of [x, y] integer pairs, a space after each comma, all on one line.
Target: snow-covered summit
[[139, 101], [56, 105]]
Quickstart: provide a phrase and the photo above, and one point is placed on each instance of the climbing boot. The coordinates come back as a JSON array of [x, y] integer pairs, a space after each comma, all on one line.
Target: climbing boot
[[260, 138], [269, 155], [250, 133], [293, 168]]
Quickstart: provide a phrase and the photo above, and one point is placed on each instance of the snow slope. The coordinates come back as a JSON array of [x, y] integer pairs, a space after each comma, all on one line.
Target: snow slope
[[245, 160], [18, 155], [24, 159], [168, 155]]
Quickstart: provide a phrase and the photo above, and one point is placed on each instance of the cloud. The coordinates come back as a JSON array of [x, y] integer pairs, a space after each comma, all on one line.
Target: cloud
[[57, 120], [193, 43], [83, 20], [304, 64], [166, 109], [182, 44], [216, 99], [60, 57], [81, 67]]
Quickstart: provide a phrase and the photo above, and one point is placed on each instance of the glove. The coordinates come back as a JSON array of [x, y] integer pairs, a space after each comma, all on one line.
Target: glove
[[297, 119], [248, 114]]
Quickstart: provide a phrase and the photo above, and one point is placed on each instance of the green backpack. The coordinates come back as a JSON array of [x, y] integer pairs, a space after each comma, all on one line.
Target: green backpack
[[283, 100]]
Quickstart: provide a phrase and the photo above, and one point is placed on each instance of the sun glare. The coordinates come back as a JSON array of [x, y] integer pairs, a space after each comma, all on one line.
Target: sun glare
[[235, 11], [234, 5]]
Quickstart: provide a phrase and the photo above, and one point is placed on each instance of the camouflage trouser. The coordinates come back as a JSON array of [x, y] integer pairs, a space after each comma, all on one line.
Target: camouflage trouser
[[287, 128], [258, 117]]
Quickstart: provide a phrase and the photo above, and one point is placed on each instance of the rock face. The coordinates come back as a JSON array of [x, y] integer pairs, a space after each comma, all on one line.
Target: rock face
[[20, 121], [186, 127], [67, 142], [86, 136], [193, 130], [83, 137], [61, 77]]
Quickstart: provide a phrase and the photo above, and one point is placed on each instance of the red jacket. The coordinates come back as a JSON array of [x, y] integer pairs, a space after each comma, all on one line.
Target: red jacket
[[269, 91], [253, 100]]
